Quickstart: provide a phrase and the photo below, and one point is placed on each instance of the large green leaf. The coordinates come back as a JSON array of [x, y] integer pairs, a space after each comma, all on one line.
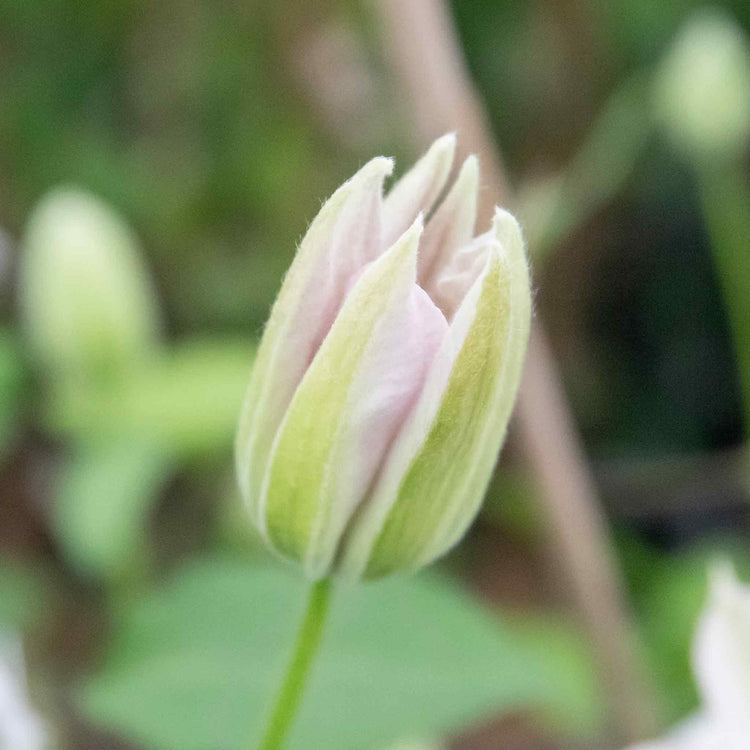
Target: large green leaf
[[193, 665], [185, 401], [672, 596], [576, 707], [104, 498]]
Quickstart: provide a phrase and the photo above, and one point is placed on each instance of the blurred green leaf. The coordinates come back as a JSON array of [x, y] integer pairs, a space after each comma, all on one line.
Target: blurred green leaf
[[671, 600], [552, 208], [104, 498], [416, 744], [512, 503], [11, 378], [23, 595], [187, 401], [193, 666], [577, 707], [725, 195]]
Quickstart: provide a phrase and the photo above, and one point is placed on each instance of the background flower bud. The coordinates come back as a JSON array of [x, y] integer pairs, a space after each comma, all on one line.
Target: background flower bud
[[386, 375], [702, 92], [86, 299], [721, 645]]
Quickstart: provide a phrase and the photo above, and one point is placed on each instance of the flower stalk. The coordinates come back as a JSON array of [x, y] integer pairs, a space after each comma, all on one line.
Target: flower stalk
[[289, 697]]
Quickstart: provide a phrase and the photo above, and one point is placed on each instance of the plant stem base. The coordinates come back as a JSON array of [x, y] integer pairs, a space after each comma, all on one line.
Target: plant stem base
[[292, 688]]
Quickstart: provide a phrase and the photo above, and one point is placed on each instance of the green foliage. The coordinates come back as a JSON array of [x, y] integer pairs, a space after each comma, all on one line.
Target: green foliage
[[182, 117], [578, 707], [725, 197], [185, 400], [670, 600], [129, 435], [103, 502], [23, 595], [11, 388], [554, 207], [192, 665]]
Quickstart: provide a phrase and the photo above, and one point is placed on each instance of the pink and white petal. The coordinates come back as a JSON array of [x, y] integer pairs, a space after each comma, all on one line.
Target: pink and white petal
[[452, 281], [409, 442], [451, 226], [345, 236], [437, 471], [391, 378], [418, 189], [349, 406]]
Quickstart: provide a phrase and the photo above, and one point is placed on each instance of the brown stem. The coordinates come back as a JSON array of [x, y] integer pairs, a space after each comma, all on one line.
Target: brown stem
[[424, 49]]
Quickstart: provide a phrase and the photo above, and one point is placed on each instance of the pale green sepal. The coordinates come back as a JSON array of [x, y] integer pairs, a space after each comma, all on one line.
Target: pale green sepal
[[299, 513], [412, 516], [281, 362], [468, 501], [409, 447]]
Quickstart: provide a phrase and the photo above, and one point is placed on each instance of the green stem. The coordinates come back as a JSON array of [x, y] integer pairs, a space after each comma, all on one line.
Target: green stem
[[290, 695]]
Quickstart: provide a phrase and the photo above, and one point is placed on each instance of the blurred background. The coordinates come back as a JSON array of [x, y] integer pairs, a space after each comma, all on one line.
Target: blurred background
[[159, 163]]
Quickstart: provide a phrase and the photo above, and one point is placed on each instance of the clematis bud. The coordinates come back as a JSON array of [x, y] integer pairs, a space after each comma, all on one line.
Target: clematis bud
[[386, 375], [86, 298], [702, 93]]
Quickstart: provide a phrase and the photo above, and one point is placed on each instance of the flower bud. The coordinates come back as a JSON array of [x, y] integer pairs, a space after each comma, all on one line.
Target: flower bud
[[386, 375], [703, 88], [86, 298]]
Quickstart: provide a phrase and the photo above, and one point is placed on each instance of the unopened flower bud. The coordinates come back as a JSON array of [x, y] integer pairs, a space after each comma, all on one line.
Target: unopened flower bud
[[702, 92], [86, 298], [386, 375]]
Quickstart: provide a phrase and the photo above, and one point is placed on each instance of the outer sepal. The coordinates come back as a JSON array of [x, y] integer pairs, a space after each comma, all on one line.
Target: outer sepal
[[344, 236], [318, 471], [416, 513]]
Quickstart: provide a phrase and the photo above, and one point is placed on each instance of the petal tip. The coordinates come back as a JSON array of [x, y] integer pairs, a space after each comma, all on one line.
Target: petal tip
[[467, 182], [507, 230], [443, 149], [413, 234], [504, 218], [470, 167], [723, 581], [407, 246], [376, 169], [447, 141]]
